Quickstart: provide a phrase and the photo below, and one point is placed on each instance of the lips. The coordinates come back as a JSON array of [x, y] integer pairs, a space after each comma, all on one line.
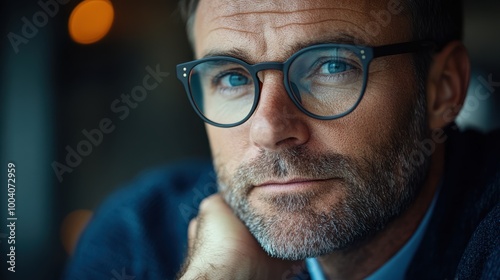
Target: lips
[[295, 182]]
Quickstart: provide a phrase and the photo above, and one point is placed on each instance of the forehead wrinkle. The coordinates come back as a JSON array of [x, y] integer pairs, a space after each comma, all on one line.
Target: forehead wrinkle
[[246, 23], [316, 22], [284, 17], [242, 7], [321, 18], [232, 29], [285, 12]]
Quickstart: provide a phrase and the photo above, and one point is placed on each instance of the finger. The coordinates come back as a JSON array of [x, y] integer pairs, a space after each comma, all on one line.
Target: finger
[[193, 225], [214, 200], [216, 216], [214, 204], [217, 220]]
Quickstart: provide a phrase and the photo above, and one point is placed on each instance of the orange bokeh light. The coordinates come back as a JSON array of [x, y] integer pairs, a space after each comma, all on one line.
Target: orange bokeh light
[[72, 226], [90, 21]]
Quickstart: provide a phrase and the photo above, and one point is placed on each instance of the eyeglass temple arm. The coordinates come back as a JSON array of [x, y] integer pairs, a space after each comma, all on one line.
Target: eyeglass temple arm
[[400, 48]]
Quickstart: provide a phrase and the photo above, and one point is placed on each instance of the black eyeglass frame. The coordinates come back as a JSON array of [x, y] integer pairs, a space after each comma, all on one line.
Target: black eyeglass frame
[[365, 53]]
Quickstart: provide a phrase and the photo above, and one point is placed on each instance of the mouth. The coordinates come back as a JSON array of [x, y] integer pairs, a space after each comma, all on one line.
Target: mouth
[[295, 184]]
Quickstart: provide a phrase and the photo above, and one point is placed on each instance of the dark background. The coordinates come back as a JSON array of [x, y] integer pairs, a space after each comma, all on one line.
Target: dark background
[[53, 88]]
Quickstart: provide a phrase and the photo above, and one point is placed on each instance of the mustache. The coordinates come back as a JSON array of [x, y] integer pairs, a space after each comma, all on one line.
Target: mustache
[[294, 162]]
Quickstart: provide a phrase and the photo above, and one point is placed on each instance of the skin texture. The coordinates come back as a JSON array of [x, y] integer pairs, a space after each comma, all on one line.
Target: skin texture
[[221, 246]]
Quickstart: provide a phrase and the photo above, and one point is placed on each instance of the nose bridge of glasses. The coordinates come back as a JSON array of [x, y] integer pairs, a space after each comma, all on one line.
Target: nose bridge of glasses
[[258, 68], [268, 66], [274, 66]]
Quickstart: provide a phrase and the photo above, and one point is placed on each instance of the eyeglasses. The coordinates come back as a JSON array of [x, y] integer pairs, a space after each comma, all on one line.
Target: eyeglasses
[[325, 81]]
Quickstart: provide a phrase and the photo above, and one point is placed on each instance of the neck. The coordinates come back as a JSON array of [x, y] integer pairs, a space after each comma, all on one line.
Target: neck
[[359, 262]]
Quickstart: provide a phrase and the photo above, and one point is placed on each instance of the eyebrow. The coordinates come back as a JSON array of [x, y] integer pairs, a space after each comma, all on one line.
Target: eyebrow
[[289, 50]]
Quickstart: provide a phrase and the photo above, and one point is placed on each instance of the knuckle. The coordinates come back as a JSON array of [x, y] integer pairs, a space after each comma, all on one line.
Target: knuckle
[[192, 223], [209, 203]]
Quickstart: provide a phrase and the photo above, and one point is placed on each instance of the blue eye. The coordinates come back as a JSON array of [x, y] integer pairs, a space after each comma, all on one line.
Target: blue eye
[[234, 80], [334, 67]]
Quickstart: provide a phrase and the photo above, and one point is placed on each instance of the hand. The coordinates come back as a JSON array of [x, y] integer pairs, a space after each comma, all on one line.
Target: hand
[[221, 247]]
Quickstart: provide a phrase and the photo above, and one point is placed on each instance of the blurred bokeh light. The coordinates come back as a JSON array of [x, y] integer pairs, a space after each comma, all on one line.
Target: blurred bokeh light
[[71, 228], [90, 21]]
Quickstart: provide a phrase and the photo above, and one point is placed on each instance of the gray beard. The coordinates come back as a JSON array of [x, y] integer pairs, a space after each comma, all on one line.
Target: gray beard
[[373, 190]]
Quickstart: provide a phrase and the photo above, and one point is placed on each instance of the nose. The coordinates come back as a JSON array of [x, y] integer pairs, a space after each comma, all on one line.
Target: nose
[[277, 123]]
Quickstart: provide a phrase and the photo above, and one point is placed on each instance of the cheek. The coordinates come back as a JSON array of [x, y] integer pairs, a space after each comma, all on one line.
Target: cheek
[[227, 145], [386, 105], [389, 101]]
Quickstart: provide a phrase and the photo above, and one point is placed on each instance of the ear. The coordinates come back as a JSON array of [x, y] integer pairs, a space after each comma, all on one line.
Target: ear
[[447, 84]]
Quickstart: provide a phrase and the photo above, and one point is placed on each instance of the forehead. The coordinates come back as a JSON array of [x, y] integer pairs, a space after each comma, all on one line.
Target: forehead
[[271, 29]]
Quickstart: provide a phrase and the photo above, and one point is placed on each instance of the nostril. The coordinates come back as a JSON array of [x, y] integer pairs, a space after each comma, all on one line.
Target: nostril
[[288, 142]]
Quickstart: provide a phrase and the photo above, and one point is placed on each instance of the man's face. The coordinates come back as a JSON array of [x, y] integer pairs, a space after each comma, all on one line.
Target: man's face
[[306, 187]]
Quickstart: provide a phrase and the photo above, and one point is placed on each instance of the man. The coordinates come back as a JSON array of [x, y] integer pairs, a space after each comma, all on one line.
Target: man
[[332, 134]]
